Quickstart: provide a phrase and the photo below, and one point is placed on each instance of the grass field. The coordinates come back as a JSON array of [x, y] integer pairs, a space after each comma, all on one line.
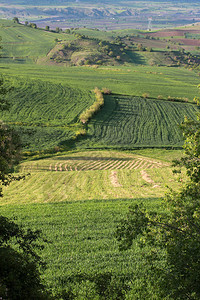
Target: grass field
[[135, 80], [22, 43], [44, 113], [91, 175], [132, 122], [77, 201]]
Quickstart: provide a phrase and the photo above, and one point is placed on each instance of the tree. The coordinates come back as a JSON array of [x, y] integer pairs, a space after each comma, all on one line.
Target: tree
[[47, 28], [16, 20], [174, 233], [19, 262]]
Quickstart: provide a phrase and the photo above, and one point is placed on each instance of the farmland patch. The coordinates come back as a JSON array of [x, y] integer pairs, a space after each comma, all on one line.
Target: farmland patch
[[138, 122]]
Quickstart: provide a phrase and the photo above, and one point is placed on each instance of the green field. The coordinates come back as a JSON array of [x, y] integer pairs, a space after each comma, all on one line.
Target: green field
[[45, 114], [135, 80], [24, 44], [77, 200], [84, 184], [82, 243], [138, 122]]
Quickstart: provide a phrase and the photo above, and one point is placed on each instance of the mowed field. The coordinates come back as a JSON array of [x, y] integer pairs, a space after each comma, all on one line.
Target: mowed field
[[90, 175], [44, 113], [132, 121], [77, 201]]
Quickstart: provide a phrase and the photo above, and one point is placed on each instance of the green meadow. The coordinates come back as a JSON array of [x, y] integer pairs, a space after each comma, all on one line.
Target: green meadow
[[135, 80], [77, 193], [77, 199]]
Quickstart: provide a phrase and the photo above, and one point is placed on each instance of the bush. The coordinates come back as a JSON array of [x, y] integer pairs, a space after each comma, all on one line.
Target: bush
[[88, 113], [145, 95], [106, 91]]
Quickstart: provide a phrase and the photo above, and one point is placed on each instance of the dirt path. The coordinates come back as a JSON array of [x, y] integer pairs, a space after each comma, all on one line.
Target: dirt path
[[148, 179], [114, 179]]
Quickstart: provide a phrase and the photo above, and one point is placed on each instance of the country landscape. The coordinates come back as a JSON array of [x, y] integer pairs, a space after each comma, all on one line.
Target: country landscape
[[94, 94]]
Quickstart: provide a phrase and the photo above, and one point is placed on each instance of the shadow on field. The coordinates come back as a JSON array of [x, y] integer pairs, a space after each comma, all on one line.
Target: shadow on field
[[136, 58]]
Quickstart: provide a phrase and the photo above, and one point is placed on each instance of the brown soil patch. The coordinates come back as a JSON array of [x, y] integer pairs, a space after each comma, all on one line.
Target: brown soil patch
[[189, 42], [114, 179], [148, 179]]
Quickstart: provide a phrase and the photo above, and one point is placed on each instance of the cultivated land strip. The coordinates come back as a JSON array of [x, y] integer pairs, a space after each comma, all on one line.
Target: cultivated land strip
[[93, 164]]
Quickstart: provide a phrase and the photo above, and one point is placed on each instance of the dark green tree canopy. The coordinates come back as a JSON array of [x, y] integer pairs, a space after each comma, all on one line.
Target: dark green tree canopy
[[176, 232]]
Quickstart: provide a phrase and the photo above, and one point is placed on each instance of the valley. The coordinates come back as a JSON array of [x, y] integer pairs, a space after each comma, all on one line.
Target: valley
[[80, 176]]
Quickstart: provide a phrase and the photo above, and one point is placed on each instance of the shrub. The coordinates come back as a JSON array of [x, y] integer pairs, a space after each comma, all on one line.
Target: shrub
[[145, 95], [106, 91], [88, 113]]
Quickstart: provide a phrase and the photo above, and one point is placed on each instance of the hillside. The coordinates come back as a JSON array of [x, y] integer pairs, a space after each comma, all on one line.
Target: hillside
[[129, 122], [45, 114], [85, 51], [80, 176], [26, 44]]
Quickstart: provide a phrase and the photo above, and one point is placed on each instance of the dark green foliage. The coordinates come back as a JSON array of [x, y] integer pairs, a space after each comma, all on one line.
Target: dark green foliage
[[16, 20], [177, 231], [9, 146], [19, 263]]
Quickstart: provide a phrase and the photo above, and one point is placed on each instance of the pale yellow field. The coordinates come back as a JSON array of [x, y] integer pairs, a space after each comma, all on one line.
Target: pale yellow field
[[91, 175]]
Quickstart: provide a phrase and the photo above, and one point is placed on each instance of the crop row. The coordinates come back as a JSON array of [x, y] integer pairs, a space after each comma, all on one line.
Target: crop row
[[98, 164], [44, 113], [133, 121]]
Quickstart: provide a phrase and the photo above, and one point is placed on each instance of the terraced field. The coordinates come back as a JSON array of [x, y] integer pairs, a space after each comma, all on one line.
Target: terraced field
[[138, 122]]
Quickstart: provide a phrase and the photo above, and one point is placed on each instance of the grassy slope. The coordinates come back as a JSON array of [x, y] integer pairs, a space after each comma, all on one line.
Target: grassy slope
[[82, 232], [45, 113], [129, 122], [26, 44], [135, 80]]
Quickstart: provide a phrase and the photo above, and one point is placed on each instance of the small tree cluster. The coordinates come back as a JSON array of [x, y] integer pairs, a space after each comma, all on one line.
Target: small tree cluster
[[88, 113]]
